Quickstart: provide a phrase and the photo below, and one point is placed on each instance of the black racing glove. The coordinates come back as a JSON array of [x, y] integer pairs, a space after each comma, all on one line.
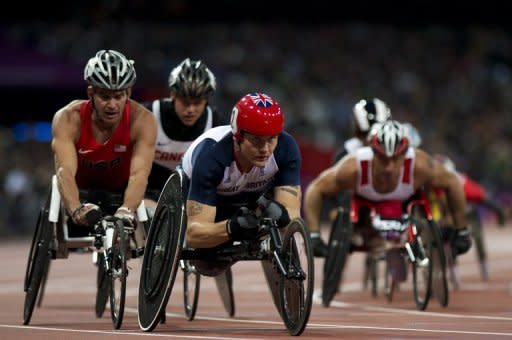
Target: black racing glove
[[274, 210], [87, 214], [127, 216], [243, 225], [461, 241]]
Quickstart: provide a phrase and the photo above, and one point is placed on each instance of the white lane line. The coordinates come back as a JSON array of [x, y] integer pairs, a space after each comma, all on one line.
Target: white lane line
[[145, 334], [317, 299]]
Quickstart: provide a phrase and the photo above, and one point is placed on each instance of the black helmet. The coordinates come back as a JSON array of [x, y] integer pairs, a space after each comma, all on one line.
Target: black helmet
[[192, 79], [111, 70], [368, 112]]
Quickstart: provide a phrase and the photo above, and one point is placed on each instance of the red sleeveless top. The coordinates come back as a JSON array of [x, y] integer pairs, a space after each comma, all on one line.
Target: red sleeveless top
[[103, 166]]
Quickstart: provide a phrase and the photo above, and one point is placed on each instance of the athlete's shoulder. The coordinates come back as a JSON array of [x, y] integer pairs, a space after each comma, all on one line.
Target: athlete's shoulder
[[66, 121], [287, 142], [69, 112], [216, 133]]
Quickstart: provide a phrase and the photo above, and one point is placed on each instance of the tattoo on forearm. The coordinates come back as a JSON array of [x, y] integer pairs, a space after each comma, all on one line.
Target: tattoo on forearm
[[194, 209], [291, 190]]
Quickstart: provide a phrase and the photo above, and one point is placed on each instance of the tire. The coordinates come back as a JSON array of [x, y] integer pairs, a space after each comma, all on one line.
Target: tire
[[389, 283], [337, 253], [118, 273], [224, 283], [475, 225], [296, 289], [422, 266], [439, 277], [191, 287], [162, 253], [102, 286], [43, 284], [38, 261]]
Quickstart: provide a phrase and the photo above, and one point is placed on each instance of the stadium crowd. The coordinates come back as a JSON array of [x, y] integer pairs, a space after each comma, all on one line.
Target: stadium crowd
[[453, 83]]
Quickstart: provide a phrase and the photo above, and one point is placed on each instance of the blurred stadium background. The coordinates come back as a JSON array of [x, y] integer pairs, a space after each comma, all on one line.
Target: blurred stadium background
[[448, 74]]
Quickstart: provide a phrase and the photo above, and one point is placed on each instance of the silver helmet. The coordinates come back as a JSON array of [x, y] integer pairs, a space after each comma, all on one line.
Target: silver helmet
[[388, 138], [192, 79], [111, 70]]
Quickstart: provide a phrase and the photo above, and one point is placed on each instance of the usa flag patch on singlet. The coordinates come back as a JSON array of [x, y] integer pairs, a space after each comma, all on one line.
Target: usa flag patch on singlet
[[119, 148]]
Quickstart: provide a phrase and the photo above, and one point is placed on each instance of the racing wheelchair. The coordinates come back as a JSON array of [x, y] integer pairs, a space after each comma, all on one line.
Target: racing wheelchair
[[407, 233], [111, 241], [287, 260]]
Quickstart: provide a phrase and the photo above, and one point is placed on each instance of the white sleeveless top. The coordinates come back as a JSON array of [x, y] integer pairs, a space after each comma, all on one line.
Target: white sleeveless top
[[169, 152], [405, 187]]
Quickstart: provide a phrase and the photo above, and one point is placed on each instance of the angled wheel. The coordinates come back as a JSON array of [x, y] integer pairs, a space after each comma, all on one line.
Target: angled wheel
[[118, 272], [224, 283], [423, 264], [389, 283], [162, 252], [371, 271], [296, 288], [102, 286], [38, 261], [191, 286], [475, 225], [43, 285], [439, 279], [338, 251]]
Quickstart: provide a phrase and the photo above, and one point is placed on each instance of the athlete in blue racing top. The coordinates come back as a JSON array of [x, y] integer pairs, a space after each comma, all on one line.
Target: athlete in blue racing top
[[231, 166]]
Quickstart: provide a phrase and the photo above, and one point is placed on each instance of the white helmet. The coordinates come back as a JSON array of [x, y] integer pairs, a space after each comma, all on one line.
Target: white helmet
[[413, 135], [388, 138], [111, 70], [368, 112]]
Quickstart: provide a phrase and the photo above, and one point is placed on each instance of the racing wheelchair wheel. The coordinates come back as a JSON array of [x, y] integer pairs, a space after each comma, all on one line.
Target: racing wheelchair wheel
[[38, 261], [162, 252], [337, 253], [102, 286], [118, 272], [43, 285], [296, 288], [475, 225], [439, 277], [423, 264], [191, 286], [371, 271], [224, 283]]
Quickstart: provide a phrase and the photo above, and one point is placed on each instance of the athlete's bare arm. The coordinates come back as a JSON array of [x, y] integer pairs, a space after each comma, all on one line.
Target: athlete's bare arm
[[66, 131], [339, 177], [432, 173], [202, 231], [143, 132], [290, 197]]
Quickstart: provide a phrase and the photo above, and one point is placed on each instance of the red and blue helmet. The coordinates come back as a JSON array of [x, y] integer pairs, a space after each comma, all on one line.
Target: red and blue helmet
[[257, 114]]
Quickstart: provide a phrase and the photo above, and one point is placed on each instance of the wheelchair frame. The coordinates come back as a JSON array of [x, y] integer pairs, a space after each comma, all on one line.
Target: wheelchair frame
[[52, 240], [418, 218], [290, 284]]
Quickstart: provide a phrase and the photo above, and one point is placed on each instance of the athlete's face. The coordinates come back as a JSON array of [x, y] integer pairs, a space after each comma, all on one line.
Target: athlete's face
[[189, 110], [386, 171], [109, 104], [256, 150]]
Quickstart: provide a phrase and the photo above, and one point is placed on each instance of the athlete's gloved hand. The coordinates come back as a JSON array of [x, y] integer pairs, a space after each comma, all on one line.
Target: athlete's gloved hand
[[274, 210], [243, 225], [86, 214], [126, 215], [461, 241]]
